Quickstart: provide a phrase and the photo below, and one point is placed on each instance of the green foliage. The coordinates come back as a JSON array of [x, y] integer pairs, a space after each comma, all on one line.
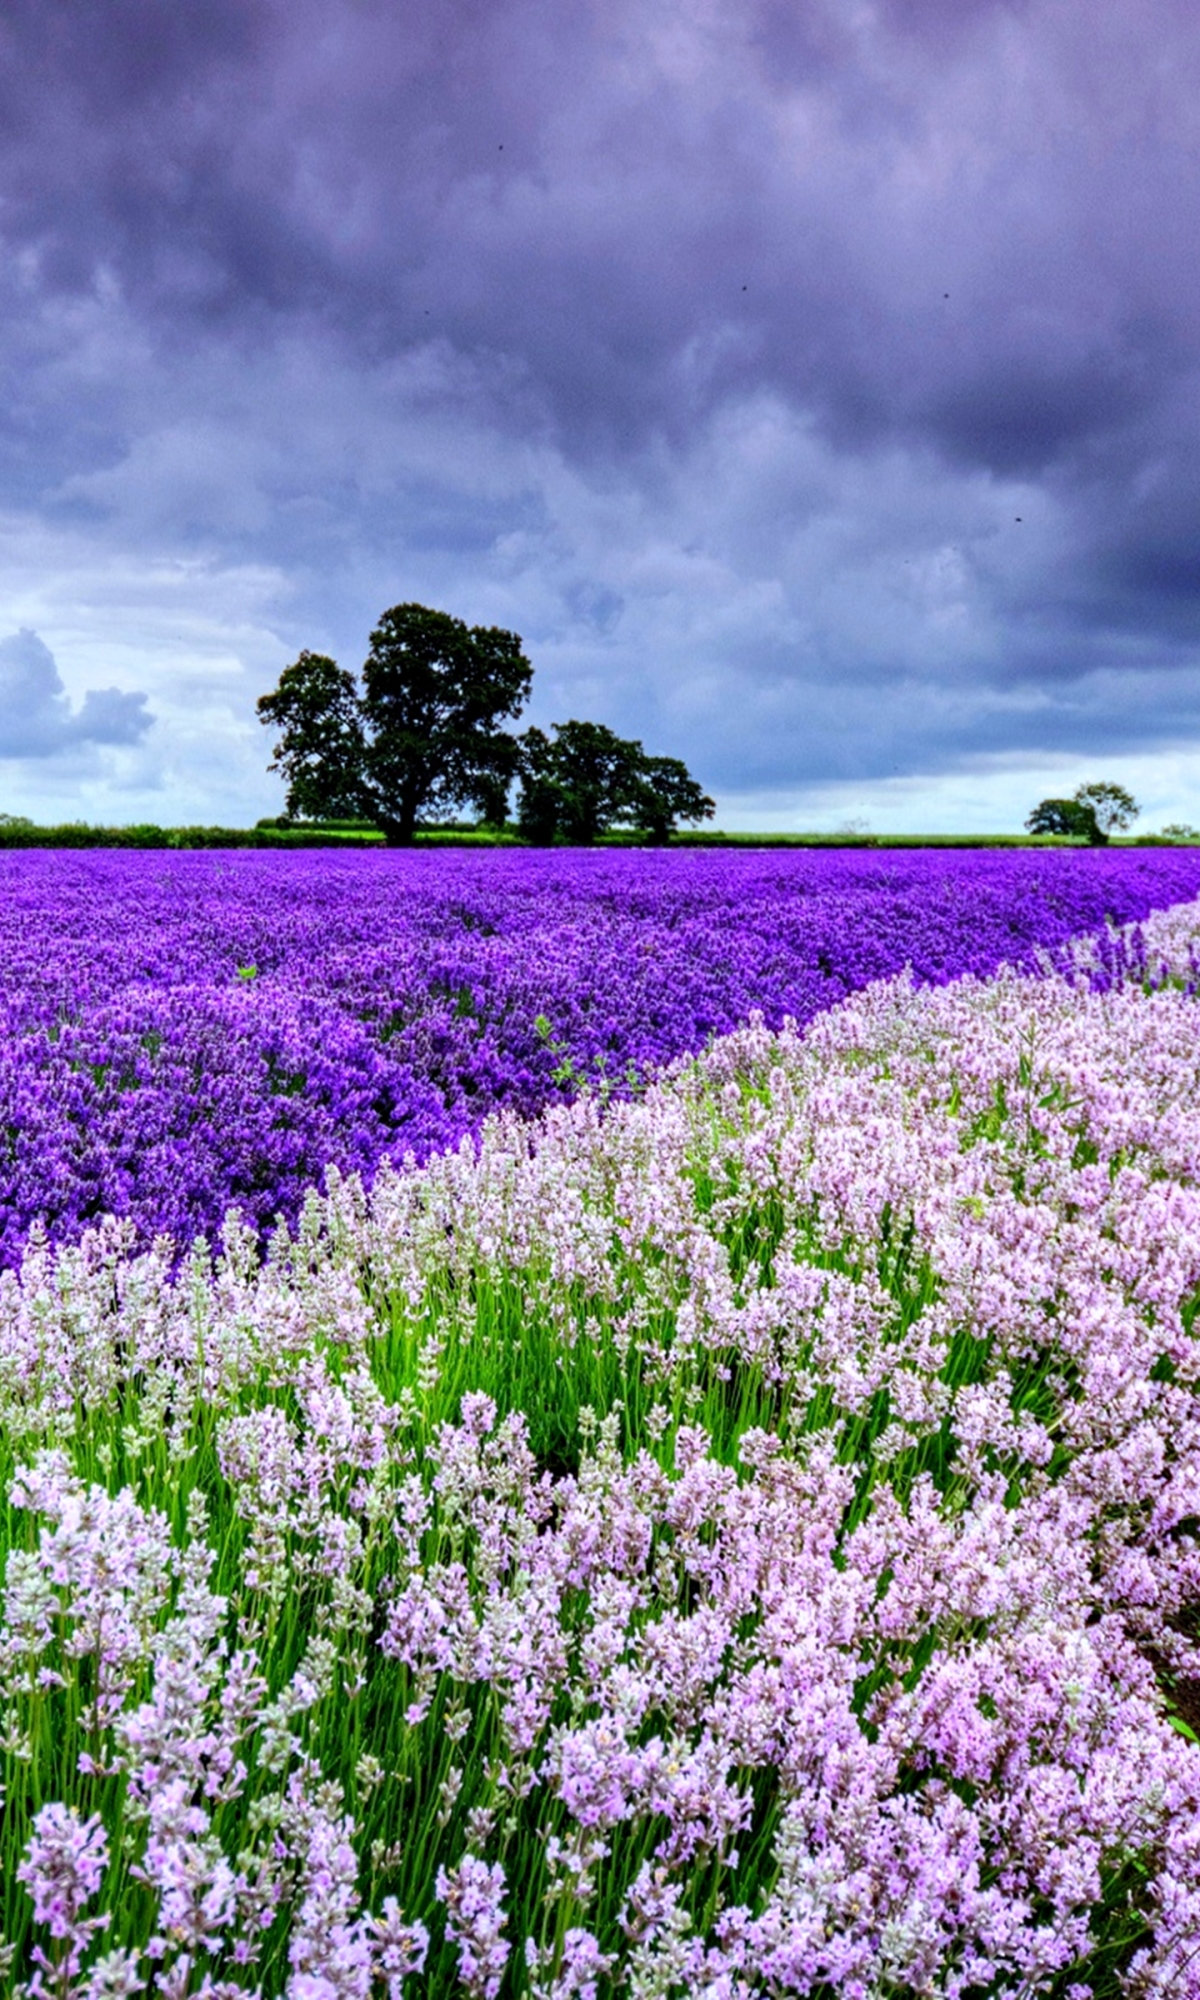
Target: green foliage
[[588, 780], [321, 747], [281, 823], [1111, 806], [421, 738], [577, 785], [1092, 813], [1065, 817], [667, 792], [434, 694], [569, 1073]]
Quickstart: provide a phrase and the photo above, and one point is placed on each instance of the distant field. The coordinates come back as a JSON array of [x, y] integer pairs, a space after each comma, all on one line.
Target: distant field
[[81, 836]]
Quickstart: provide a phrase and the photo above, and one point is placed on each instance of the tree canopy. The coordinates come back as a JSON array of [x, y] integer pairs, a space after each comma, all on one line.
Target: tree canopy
[[667, 792], [1111, 806], [422, 737], [1092, 813], [585, 780], [322, 742], [1062, 816], [575, 783], [435, 691]]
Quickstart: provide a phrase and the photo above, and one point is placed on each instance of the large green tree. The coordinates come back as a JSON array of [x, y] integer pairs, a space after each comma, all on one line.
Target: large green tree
[[585, 779], [423, 737], [435, 692]]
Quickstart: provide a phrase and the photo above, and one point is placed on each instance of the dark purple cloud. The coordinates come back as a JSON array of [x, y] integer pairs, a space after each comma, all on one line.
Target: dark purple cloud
[[617, 314]]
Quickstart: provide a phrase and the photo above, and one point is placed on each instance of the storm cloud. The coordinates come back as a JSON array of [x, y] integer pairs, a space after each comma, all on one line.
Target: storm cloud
[[815, 388]]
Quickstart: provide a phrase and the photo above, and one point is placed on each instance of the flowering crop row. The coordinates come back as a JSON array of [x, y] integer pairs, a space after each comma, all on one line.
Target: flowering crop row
[[183, 1031], [744, 1544]]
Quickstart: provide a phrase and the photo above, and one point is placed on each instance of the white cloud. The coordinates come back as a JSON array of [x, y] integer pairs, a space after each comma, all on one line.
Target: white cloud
[[37, 718]]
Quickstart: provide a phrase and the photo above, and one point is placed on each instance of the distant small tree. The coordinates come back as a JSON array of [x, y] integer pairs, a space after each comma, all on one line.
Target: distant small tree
[[1092, 813], [1112, 807], [423, 736], [1064, 817], [587, 780]]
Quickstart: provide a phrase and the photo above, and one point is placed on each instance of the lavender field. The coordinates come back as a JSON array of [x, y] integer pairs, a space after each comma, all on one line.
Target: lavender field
[[179, 1032], [734, 1535]]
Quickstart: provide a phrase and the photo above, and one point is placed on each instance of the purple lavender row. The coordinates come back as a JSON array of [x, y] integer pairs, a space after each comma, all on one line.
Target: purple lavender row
[[186, 1031]]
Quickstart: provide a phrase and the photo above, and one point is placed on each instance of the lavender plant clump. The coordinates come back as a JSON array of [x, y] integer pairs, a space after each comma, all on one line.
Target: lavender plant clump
[[735, 1543], [182, 1032]]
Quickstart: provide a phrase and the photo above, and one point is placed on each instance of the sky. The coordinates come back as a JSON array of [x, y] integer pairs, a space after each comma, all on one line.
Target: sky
[[813, 384]]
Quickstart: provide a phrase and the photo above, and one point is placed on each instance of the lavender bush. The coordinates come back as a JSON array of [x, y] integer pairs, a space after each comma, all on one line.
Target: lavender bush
[[741, 1544], [183, 1031]]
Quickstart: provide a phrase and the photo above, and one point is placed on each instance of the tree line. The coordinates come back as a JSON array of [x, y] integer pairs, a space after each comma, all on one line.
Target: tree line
[[424, 737]]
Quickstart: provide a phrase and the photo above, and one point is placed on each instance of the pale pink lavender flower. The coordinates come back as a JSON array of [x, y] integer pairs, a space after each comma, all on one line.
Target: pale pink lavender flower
[[473, 1894], [578, 1970], [106, 1566], [399, 1948], [114, 1976], [183, 1861], [63, 1867]]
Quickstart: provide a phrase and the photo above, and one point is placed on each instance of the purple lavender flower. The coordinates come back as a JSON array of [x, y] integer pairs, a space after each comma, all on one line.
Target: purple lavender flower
[[396, 997], [474, 1897], [63, 1868]]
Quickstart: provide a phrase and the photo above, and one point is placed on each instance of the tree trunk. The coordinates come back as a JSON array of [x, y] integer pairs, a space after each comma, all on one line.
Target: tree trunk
[[398, 833], [400, 829]]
